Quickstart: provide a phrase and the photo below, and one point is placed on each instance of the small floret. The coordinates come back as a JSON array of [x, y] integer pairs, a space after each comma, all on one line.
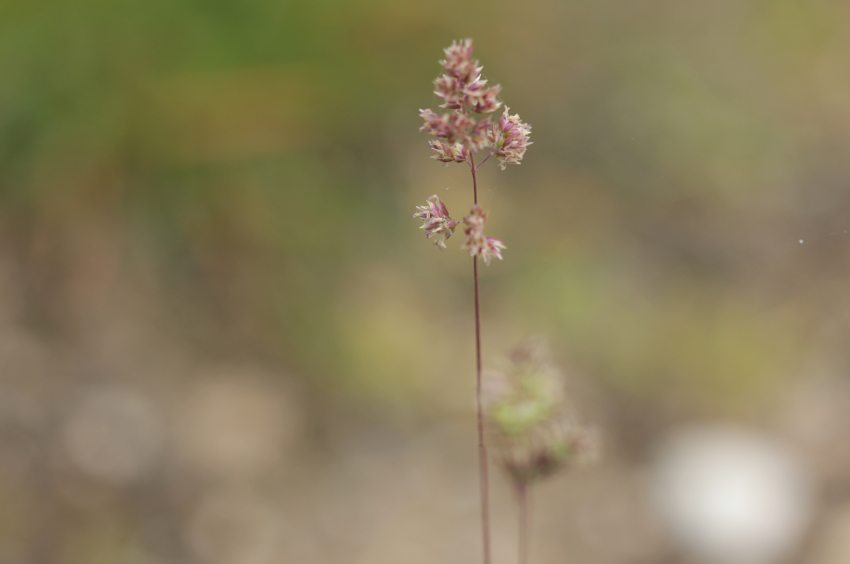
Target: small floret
[[478, 244], [436, 220]]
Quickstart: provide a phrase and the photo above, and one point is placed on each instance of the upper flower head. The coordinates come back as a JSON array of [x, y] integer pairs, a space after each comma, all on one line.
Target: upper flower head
[[436, 220], [476, 242], [463, 85], [510, 138], [459, 62], [463, 90]]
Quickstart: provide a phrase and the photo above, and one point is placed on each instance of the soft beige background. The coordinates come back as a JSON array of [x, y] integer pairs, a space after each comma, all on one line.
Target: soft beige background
[[223, 339]]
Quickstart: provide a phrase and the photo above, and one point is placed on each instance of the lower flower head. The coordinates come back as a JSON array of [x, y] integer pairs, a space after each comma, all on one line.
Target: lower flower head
[[478, 244], [436, 220]]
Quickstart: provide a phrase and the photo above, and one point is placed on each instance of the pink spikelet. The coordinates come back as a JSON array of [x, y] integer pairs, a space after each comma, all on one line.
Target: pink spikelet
[[436, 220], [478, 244], [510, 139]]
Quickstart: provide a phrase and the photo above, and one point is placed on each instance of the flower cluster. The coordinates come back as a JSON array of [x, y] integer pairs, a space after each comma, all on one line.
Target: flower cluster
[[510, 139], [463, 86], [528, 416], [460, 133], [463, 90], [436, 220], [478, 244]]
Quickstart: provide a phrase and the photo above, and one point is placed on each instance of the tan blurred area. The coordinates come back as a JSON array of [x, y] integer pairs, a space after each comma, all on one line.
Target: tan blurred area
[[224, 340]]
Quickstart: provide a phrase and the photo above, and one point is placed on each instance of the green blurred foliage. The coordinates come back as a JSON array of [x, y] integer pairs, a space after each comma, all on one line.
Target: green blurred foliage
[[254, 164]]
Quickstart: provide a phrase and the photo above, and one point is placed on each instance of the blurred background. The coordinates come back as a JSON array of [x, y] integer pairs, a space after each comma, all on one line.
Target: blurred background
[[223, 338]]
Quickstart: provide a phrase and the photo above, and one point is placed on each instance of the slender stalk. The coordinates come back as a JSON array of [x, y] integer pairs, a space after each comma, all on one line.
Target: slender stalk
[[522, 497], [484, 161], [482, 446]]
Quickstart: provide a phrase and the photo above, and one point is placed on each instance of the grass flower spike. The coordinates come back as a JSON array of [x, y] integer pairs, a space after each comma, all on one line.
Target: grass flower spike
[[535, 430], [461, 132], [533, 425]]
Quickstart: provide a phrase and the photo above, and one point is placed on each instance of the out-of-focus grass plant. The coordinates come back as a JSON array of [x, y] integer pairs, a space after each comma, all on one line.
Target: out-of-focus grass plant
[[535, 430]]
